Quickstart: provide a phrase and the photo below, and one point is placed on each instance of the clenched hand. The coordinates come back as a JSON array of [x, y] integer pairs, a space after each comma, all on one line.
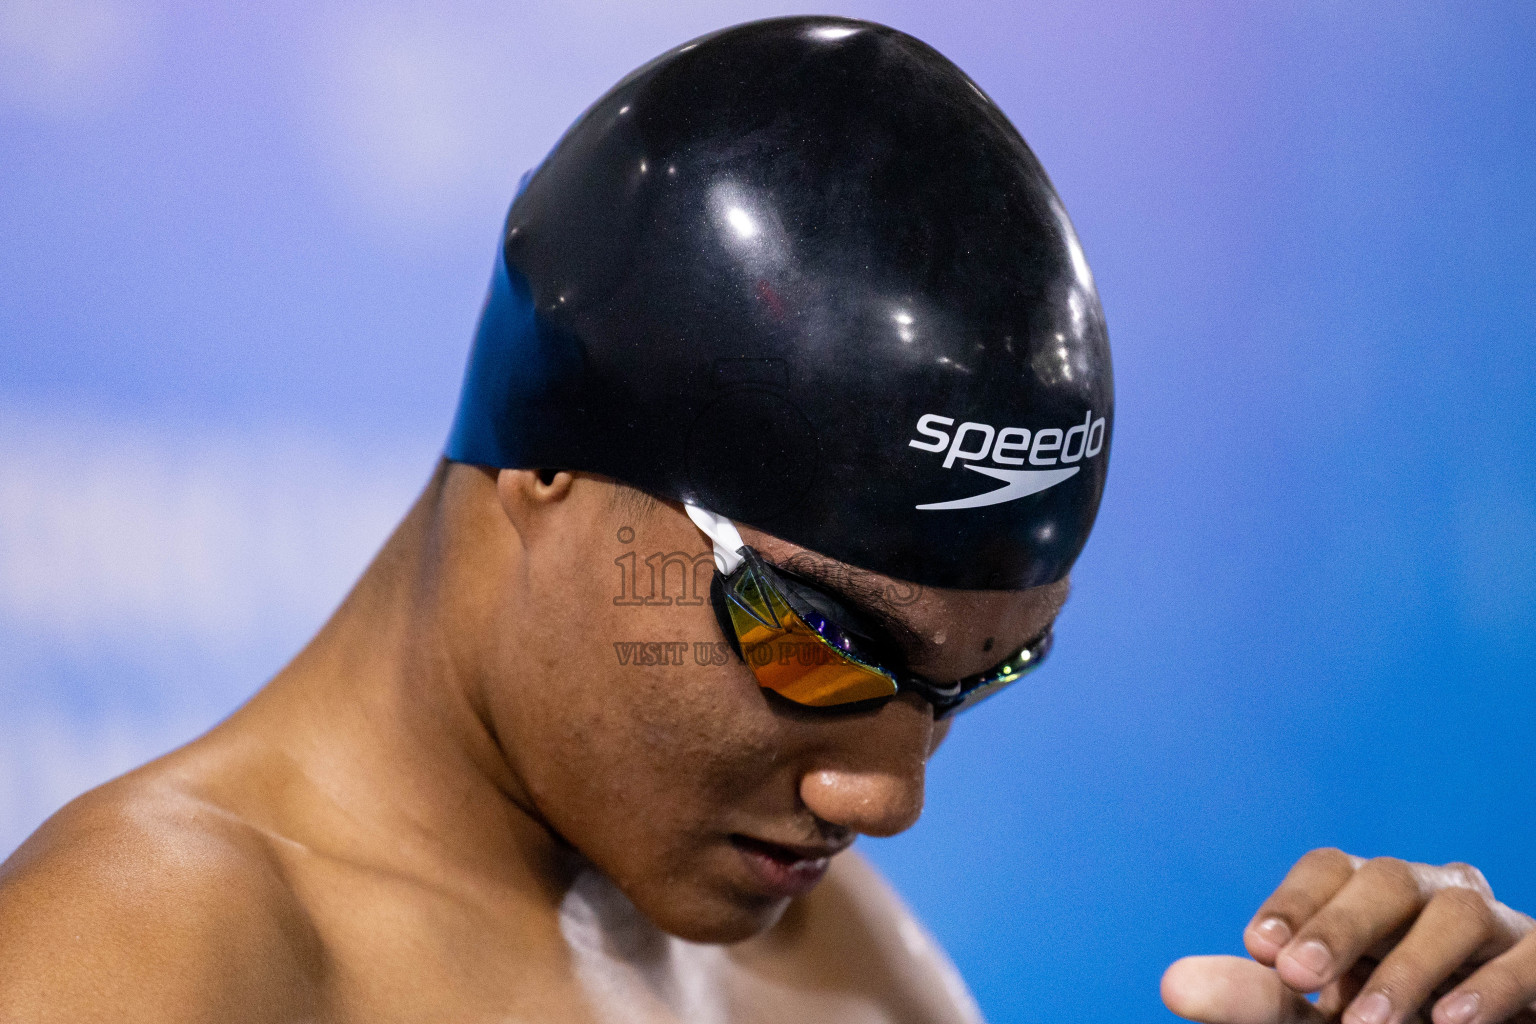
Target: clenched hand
[[1379, 941]]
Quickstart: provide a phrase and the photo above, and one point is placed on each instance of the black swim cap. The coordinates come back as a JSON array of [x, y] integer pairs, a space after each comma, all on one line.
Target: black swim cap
[[805, 274]]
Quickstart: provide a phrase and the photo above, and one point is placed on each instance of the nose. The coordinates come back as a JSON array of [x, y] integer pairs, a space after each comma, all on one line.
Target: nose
[[867, 774]]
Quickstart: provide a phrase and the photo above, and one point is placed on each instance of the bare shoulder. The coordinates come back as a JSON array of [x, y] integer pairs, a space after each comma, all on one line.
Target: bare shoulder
[[140, 902], [853, 934]]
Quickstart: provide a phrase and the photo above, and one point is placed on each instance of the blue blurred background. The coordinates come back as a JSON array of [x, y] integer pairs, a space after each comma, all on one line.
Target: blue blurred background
[[240, 258]]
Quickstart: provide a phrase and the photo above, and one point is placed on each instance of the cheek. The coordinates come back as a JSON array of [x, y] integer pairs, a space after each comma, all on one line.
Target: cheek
[[626, 744], [643, 742]]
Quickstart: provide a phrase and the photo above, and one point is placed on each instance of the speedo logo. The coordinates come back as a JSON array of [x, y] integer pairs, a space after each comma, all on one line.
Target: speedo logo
[[973, 443]]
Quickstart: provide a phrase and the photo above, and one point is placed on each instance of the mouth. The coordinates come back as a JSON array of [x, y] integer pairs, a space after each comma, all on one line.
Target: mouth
[[785, 871]]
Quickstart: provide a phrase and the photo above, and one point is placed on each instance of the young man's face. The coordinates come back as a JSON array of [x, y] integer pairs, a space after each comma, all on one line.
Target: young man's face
[[642, 740]]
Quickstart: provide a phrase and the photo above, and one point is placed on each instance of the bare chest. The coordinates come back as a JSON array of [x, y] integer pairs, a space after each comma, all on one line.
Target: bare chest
[[629, 971], [404, 957]]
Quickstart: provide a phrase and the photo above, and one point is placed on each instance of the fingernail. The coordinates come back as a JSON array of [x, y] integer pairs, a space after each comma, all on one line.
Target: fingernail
[[1458, 1009], [1274, 930], [1313, 957], [1371, 1009]]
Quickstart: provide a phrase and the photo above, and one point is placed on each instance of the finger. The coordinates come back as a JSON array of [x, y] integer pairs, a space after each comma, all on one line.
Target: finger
[[1231, 990], [1496, 991], [1384, 895], [1307, 887], [1455, 924], [1336, 995]]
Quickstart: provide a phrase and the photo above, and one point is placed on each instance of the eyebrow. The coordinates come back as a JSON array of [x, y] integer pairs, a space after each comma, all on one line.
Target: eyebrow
[[864, 595]]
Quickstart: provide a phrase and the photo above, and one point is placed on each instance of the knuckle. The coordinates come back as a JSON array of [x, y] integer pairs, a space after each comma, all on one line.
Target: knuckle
[[1396, 876], [1312, 880], [1329, 859], [1468, 877], [1326, 855], [1467, 905]]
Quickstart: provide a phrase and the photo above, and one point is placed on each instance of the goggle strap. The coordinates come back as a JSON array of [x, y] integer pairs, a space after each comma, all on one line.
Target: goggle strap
[[722, 533]]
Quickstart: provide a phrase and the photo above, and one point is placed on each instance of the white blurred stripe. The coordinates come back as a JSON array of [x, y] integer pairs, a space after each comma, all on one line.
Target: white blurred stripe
[[120, 533], [150, 578]]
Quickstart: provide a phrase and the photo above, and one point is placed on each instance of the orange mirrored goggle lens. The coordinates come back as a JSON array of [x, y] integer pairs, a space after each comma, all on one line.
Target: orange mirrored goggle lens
[[790, 658]]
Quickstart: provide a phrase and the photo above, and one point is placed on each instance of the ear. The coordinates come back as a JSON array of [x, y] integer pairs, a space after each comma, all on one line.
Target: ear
[[526, 494]]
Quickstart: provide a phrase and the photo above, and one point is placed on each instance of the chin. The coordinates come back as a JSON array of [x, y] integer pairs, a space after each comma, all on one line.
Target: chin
[[710, 917]]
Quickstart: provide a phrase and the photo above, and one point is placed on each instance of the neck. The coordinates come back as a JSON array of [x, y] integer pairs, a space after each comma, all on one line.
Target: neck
[[387, 759]]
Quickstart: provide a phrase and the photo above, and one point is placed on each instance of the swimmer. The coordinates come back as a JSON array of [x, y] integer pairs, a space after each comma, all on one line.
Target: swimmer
[[789, 410]]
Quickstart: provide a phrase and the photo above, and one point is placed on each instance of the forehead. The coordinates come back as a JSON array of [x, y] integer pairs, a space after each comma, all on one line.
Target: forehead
[[945, 634]]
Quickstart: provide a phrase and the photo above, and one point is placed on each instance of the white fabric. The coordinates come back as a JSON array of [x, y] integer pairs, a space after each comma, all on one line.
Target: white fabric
[[632, 971], [722, 533]]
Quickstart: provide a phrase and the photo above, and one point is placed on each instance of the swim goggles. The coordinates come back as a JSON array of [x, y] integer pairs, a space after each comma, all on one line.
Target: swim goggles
[[807, 647]]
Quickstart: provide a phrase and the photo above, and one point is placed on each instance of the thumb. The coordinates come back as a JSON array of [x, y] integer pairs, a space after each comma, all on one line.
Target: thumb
[[1233, 990]]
